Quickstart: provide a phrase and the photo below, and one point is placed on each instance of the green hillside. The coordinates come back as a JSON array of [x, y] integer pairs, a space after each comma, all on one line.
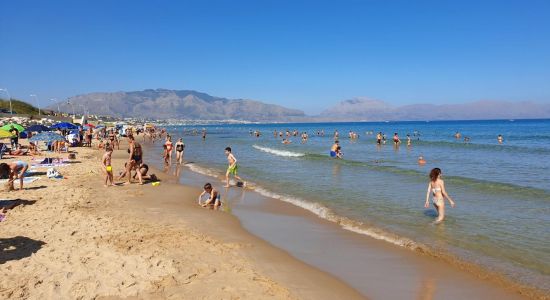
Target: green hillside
[[18, 106]]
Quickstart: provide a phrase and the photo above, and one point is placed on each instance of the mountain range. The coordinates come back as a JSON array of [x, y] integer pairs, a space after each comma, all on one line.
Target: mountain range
[[174, 104], [193, 105], [364, 109]]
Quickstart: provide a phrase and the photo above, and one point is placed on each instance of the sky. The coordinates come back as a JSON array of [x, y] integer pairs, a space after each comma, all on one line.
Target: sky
[[301, 54]]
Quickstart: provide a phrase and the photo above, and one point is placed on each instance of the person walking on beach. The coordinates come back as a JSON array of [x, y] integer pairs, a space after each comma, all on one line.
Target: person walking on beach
[[15, 138], [232, 168], [437, 188], [135, 159], [180, 146], [106, 160], [169, 146]]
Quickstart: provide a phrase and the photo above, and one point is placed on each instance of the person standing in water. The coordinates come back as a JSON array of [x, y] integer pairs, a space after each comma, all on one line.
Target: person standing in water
[[180, 146], [500, 139], [437, 188], [396, 140], [335, 150], [168, 149], [232, 168]]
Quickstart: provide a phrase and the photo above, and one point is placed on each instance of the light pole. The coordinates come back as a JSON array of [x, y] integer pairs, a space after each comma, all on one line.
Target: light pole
[[9, 97], [37, 103], [55, 101]]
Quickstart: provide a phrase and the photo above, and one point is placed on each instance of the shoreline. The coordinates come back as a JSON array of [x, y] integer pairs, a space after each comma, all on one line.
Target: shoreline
[[470, 268], [72, 237]]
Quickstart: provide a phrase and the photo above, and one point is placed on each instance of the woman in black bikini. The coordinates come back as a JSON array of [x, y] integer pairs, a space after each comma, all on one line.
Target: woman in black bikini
[[135, 160], [180, 146]]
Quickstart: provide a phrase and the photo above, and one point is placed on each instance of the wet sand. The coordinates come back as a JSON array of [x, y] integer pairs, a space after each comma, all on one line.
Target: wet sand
[[72, 238]]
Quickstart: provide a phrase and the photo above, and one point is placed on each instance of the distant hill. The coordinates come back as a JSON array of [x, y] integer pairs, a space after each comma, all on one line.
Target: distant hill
[[364, 109], [177, 104], [18, 106]]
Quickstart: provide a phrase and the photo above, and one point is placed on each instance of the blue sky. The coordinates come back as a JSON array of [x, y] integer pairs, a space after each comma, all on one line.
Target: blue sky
[[302, 54]]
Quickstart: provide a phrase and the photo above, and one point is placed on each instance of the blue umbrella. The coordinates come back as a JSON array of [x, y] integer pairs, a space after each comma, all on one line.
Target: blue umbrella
[[37, 128], [64, 125], [47, 137]]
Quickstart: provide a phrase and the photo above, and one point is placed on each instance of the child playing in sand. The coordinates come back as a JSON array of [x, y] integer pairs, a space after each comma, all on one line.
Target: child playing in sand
[[232, 168], [214, 201], [106, 160], [13, 171]]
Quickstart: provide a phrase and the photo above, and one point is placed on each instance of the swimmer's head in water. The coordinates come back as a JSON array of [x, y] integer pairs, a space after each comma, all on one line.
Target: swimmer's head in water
[[435, 173]]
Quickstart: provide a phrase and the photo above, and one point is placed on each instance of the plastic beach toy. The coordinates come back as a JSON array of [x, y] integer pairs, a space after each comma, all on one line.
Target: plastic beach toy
[[157, 183]]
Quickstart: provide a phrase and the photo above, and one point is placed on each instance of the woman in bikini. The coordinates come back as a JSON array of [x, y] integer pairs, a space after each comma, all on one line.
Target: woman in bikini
[[180, 146], [437, 188], [169, 147], [135, 159], [14, 170]]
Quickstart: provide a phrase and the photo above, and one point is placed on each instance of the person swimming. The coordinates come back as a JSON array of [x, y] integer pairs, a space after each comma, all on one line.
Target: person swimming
[[436, 187], [421, 160]]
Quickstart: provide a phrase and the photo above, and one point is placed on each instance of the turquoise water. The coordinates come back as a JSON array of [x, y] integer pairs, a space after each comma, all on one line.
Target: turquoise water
[[502, 191]]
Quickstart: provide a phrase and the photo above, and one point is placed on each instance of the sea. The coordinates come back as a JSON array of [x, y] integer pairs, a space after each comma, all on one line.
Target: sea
[[501, 221]]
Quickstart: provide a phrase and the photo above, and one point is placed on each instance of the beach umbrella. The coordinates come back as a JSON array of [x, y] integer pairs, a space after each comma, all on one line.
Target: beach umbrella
[[4, 134], [47, 137], [64, 125], [37, 128], [16, 126]]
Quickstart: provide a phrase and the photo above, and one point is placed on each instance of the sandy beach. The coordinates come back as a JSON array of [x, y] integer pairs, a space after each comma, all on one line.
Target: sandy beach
[[73, 238]]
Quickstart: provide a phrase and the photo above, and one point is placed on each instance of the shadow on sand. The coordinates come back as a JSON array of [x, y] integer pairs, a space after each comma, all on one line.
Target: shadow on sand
[[10, 204], [16, 248]]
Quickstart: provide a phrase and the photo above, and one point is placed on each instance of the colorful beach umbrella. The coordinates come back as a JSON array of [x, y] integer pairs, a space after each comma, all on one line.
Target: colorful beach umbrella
[[37, 128], [4, 134], [64, 125], [47, 137], [14, 125]]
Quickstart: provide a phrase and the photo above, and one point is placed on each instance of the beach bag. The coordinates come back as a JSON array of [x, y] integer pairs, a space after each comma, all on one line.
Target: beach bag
[[52, 173]]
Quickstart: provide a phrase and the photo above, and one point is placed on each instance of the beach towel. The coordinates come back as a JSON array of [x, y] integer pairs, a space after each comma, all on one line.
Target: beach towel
[[25, 180], [49, 165]]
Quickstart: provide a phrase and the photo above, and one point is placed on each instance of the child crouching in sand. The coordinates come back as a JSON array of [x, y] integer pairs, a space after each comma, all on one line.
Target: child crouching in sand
[[108, 167], [214, 201]]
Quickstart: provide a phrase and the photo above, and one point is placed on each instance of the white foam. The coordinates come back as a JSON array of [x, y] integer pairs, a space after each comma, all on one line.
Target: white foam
[[204, 171], [347, 224], [325, 213], [277, 152]]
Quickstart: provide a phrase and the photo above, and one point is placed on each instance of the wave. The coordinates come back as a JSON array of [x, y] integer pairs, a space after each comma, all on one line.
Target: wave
[[277, 152], [477, 146], [201, 170], [326, 213], [486, 186], [344, 222]]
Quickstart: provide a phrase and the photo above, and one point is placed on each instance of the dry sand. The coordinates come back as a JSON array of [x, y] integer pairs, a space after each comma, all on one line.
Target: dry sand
[[72, 238]]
